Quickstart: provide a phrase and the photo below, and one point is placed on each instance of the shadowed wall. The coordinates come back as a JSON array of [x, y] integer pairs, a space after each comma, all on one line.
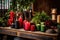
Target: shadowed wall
[[46, 5]]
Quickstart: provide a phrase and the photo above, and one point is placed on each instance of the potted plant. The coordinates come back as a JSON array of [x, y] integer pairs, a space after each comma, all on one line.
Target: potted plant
[[44, 16], [4, 19], [36, 20], [40, 18]]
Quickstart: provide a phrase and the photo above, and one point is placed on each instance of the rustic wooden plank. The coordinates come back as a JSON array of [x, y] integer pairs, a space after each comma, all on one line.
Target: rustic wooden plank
[[33, 32], [8, 32], [35, 36], [26, 34]]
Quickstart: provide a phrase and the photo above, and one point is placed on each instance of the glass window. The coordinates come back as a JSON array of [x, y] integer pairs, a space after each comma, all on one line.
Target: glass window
[[0, 4], [5, 4]]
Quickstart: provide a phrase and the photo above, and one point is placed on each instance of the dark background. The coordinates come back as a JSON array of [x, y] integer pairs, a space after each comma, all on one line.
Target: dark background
[[46, 5]]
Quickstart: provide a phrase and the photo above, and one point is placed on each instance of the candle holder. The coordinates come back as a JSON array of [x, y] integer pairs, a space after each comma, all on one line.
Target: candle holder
[[54, 19], [54, 12]]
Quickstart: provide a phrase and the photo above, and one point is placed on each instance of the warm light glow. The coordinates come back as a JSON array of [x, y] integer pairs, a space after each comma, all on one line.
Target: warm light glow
[[53, 17], [58, 18], [53, 11]]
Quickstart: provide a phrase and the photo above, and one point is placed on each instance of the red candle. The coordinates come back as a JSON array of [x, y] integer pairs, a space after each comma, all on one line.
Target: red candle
[[32, 28], [20, 19], [11, 14], [24, 23], [27, 26]]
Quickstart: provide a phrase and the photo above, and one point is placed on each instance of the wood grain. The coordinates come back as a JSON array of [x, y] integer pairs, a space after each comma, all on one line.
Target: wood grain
[[27, 34]]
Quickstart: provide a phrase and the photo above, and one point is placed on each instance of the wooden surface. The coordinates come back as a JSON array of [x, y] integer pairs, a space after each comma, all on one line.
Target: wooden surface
[[26, 34]]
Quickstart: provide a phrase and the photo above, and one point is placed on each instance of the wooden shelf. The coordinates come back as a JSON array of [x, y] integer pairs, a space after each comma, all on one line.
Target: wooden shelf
[[27, 34]]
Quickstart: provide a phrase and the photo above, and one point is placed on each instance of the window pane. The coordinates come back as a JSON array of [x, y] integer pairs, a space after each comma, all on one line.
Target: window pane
[[5, 4], [0, 4]]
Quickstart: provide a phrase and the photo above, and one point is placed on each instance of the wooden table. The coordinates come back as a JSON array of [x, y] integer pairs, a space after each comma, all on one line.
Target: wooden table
[[27, 34]]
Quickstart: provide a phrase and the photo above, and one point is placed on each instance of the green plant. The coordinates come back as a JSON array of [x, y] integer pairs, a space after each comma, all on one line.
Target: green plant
[[40, 17], [21, 4], [44, 16], [4, 19], [36, 18]]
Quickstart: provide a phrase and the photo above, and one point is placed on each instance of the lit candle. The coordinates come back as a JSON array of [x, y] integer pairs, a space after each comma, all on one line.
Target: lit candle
[[53, 14], [53, 11], [53, 17], [58, 18], [27, 26]]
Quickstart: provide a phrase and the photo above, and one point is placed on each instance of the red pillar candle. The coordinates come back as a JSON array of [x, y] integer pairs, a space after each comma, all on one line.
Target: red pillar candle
[[27, 26], [24, 23], [20, 19], [11, 14], [32, 28]]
